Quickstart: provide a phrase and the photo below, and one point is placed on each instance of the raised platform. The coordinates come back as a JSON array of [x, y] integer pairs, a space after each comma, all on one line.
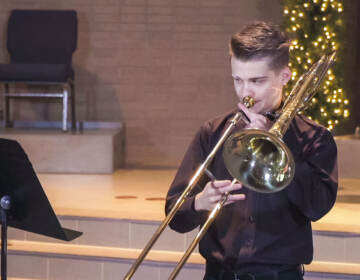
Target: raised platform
[[118, 213], [99, 148], [96, 150]]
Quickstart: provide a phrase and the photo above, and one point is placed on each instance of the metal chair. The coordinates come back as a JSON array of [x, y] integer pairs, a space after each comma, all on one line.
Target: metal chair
[[41, 44]]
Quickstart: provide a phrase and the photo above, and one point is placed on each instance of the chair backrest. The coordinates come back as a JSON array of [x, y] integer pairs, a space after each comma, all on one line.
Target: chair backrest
[[42, 36]]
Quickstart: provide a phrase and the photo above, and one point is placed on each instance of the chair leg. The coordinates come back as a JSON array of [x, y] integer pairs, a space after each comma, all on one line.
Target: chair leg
[[6, 106], [65, 108], [73, 105]]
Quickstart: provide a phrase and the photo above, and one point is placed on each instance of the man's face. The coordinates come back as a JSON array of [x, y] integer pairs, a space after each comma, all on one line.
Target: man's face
[[254, 78]]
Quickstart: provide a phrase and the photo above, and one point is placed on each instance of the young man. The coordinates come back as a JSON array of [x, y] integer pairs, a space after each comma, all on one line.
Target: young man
[[258, 236]]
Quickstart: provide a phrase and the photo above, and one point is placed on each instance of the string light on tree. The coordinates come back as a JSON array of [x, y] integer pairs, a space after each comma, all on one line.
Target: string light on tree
[[316, 28]]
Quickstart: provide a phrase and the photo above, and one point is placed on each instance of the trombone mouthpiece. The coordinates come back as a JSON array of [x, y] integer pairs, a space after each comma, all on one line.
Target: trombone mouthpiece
[[248, 101]]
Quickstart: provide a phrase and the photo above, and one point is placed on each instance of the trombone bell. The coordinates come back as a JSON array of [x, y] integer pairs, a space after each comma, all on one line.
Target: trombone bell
[[259, 160]]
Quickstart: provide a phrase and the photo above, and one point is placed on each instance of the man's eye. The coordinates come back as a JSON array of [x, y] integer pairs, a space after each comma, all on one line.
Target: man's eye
[[258, 82]]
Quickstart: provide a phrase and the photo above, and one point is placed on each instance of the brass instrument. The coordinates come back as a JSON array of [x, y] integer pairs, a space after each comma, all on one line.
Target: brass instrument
[[258, 159]]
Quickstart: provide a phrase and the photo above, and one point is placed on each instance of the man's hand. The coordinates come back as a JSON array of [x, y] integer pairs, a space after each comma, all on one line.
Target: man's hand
[[256, 120], [213, 192]]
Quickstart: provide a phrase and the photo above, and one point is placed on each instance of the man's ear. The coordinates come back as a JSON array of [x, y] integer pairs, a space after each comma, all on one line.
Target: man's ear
[[285, 75]]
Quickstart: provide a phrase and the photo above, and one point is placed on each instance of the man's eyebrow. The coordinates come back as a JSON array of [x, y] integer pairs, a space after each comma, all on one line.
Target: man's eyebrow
[[259, 78], [253, 78]]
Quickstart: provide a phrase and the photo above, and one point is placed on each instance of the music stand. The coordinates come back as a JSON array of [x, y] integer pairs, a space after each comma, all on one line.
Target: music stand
[[23, 202]]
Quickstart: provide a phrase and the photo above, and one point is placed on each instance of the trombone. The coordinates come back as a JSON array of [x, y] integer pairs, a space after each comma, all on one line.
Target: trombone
[[259, 159]]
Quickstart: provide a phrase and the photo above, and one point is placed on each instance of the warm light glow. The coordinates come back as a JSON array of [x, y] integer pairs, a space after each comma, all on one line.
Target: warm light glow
[[310, 41]]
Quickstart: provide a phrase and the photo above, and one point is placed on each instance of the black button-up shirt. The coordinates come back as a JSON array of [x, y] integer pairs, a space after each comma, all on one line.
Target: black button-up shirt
[[269, 229]]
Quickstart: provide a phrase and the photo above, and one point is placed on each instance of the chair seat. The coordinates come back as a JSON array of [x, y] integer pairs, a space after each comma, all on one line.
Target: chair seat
[[36, 72]]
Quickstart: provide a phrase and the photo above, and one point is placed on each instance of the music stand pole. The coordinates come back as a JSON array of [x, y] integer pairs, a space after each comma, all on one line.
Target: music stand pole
[[5, 204]]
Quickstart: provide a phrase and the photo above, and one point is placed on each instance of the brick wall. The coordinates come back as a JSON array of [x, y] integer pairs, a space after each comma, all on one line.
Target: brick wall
[[160, 66]]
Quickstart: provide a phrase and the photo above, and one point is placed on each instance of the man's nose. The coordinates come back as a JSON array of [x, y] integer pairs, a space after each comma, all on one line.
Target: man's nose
[[246, 90]]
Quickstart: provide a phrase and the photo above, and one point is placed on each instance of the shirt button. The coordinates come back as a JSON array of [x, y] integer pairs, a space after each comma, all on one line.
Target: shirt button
[[251, 219]]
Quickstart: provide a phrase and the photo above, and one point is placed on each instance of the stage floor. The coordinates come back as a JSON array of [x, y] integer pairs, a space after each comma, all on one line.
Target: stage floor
[[140, 194]]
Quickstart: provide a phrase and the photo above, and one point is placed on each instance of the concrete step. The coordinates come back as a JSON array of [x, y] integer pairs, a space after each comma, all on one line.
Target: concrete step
[[335, 246], [98, 150], [55, 261], [348, 147], [41, 260], [12, 278], [107, 232]]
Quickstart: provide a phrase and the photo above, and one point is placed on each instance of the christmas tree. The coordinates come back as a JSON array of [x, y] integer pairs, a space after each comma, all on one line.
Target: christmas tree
[[316, 27]]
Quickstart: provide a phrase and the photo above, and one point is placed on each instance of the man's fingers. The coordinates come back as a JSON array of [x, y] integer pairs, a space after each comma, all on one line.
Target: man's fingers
[[247, 111], [230, 188], [234, 198], [231, 198], [256, 120], [215, 198], [220, 183]]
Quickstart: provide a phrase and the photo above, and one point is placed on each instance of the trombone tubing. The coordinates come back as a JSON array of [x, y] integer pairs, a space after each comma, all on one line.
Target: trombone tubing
[[301, 93], [201, 169]]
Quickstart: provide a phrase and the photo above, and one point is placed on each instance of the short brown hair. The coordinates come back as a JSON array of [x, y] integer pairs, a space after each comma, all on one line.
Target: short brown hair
[[261, 39]]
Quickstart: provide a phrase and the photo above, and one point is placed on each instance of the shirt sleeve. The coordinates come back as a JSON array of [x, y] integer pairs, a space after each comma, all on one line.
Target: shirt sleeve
[[314, 188], [187, 218]]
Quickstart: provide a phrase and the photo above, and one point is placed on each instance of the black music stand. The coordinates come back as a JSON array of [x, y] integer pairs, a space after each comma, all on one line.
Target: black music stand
[[23, 202]]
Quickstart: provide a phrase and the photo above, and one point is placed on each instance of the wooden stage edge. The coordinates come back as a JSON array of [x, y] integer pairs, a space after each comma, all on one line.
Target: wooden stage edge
[[136, 194]]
